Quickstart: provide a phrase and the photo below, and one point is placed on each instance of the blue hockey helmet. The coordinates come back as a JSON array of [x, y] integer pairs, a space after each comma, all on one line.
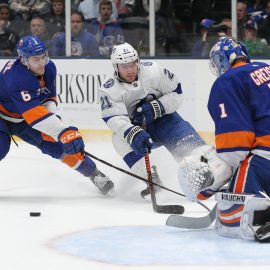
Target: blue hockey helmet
[[30, 45], [224, 53]]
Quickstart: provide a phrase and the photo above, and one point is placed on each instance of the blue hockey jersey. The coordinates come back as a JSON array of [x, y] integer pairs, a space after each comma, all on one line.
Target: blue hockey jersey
[[239, 104], [25, 96]]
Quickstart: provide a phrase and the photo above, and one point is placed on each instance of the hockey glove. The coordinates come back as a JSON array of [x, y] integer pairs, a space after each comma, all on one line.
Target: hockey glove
[[72, 140], [150, 111], [139, 140], [203, 173]]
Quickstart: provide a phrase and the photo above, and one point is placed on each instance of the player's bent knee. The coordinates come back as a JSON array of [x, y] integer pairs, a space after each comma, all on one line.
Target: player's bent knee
[[4, 144]]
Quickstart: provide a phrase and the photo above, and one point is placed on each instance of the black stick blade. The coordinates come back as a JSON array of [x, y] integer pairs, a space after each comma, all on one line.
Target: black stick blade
[[169, 209]]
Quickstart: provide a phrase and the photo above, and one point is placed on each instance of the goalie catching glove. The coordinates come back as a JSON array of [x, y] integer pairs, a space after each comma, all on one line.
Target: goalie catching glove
[[202, 173]]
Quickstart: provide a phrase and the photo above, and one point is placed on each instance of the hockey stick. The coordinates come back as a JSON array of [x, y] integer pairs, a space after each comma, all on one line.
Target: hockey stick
[[139, 177], [166, 209], [192, 222]]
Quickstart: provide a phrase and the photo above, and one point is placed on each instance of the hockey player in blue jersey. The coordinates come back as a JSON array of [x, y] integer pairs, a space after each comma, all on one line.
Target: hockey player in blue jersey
[[141, 90], [239, 104], [28, 110]]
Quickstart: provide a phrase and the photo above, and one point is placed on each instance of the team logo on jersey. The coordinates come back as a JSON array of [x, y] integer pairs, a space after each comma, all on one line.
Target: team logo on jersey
[[147, 63], [43, 90], [109, 83]]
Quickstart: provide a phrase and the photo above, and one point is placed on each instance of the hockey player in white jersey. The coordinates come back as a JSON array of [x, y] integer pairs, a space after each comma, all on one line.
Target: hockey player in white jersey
[[143, 91]]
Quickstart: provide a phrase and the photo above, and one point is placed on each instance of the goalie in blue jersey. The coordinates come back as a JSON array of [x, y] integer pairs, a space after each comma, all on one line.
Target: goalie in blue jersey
[[28, 110], [239, 104]]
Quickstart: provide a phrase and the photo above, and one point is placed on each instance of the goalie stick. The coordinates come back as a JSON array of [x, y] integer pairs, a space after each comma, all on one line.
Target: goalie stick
[[192, 222]]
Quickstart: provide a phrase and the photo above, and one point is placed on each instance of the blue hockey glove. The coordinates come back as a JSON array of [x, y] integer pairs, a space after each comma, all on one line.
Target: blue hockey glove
[[72, 140], [150, 111], [139, 140]]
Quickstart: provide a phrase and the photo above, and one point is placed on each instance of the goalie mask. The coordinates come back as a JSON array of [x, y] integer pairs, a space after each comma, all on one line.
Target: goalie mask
[[224, 53], [123, 54]]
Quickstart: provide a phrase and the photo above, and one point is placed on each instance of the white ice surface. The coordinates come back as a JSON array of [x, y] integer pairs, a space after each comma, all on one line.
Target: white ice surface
[[80, 229]]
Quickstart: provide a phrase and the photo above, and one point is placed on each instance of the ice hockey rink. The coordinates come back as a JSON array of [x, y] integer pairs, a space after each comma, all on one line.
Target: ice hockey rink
[[81, 229]]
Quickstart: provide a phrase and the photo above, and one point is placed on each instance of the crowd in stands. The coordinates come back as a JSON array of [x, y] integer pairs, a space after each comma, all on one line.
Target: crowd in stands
[[186, 27]]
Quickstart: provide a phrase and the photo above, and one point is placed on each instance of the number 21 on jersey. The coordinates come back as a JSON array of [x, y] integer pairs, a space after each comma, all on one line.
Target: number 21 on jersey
[[223, 113]]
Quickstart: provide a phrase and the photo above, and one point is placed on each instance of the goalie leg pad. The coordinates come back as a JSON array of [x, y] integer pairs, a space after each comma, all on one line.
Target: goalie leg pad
[[238, 215]]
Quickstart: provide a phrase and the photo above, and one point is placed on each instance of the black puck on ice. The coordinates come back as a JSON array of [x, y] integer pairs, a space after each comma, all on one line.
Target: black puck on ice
[[35, 214]]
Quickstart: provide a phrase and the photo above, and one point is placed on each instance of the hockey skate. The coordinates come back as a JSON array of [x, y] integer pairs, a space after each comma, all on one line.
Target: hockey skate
[[262, 234], [155, 178], [102, 182]]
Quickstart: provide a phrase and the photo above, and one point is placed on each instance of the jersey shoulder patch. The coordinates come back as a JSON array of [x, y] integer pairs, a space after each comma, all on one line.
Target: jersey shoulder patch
[[147, 63], [109, 83]]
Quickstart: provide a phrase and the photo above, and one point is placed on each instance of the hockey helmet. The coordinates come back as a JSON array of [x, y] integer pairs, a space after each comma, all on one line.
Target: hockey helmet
[[29, 46], [224, 53], [123, 54]]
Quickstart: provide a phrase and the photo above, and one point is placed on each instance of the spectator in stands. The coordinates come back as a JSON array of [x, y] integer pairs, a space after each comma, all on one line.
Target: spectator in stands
[[4, 12], [90, 9], [56, 22], [19, 27], [202, 47], [224, 28], [75, 4], [83, 43], [106, 30], [241, 19], [210, 33], [255, 46], [254, 5], [264, 30], [38, 28], [26, 10], [125, 8], [5, 15], [8, 40]]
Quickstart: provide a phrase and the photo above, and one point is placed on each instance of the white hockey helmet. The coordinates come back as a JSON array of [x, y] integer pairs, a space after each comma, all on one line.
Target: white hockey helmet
[[123, 54]]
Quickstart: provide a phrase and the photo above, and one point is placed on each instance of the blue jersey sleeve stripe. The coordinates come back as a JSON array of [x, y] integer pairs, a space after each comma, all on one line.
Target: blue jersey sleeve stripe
[[178, 89], [232, 149]]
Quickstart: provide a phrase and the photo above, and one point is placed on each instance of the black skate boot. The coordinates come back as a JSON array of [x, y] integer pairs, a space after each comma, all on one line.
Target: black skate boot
[[262, 235]]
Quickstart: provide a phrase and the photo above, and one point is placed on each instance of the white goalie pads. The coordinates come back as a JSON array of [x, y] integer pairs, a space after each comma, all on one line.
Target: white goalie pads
[[235, 214], [203, 170]]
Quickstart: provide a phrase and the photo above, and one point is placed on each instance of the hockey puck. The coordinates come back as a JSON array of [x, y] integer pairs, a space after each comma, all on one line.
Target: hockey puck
[[35, 214]]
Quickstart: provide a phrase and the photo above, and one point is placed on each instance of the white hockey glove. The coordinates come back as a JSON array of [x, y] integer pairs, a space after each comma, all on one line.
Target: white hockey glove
[[203, 173]]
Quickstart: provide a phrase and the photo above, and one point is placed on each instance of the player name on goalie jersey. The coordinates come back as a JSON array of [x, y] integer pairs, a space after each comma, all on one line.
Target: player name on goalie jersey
[[232, 197], [261, 75]]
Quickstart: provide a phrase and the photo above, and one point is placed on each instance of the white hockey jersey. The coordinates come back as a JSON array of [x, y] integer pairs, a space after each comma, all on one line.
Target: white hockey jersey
[[120, 99]]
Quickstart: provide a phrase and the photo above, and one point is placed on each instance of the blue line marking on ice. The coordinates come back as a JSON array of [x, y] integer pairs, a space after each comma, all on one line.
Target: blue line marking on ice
[[160, 245]]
